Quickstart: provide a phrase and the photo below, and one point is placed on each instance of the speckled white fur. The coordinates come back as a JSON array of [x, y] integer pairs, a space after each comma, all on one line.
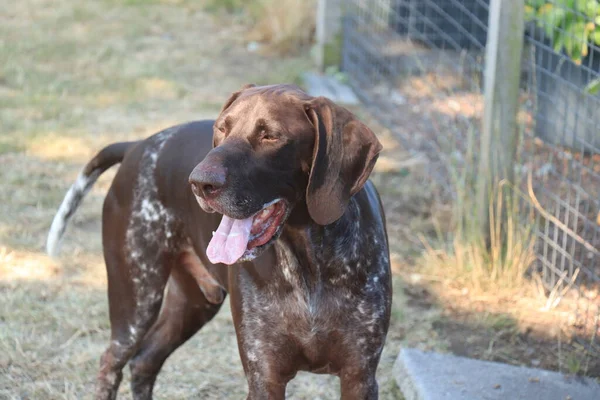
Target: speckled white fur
[[150, 226]]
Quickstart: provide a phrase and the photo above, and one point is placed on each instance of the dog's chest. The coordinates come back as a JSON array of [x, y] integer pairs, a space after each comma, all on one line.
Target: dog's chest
[[346, 306]]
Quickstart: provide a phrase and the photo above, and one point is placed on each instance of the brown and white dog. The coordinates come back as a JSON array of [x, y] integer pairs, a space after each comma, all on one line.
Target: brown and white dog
[[277, 188]]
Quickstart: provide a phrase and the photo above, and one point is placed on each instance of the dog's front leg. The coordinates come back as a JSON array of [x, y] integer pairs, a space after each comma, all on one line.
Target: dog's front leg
[[262, 373], [359, 384], [261, 348], [262, 390]]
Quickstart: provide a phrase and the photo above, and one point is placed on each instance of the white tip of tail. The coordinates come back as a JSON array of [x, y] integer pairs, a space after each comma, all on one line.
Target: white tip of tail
[[67, 208]]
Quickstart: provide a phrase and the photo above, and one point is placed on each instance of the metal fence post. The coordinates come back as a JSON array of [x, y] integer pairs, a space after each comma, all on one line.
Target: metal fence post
[[501, 102], [320, 34], [328, 26]]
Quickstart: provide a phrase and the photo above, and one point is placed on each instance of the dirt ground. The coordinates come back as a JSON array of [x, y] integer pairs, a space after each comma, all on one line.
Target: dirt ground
[[77, 76]]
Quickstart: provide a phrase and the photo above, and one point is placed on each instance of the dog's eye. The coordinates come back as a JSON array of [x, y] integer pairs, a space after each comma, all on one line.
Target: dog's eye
[[269, 137]]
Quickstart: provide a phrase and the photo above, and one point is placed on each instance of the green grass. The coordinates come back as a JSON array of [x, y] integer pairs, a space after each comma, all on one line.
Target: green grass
[[500, 322], [8, 145], [291, 73]]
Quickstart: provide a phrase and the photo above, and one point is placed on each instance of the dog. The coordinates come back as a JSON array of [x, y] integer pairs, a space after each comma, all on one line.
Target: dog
[[271, 204]]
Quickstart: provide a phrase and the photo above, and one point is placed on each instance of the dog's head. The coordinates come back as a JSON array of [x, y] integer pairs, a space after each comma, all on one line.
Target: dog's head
[[275, 147]]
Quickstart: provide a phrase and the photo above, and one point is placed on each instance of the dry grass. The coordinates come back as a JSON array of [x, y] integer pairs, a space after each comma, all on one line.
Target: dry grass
[[436, 112], [76, 76], [283, 26], [468, 261], [495, 262], [444, 95], [447, 308], [286, 25]]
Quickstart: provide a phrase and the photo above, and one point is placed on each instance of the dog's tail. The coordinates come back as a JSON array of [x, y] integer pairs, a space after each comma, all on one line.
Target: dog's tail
[[106, 158]]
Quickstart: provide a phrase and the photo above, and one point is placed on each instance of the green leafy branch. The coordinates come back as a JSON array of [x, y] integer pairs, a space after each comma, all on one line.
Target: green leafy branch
[[571, 24]]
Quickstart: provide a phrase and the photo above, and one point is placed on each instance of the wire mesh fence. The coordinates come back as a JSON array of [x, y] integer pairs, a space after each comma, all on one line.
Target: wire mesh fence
[[419, 65]]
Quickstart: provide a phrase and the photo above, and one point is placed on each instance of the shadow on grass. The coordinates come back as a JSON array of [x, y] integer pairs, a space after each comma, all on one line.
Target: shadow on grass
[[521, 335]]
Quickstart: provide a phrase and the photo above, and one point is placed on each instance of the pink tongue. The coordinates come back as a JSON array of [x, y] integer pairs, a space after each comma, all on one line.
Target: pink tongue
[[230, 240]]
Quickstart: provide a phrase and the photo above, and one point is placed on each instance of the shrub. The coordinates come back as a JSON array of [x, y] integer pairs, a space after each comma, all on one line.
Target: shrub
[[571, 25]]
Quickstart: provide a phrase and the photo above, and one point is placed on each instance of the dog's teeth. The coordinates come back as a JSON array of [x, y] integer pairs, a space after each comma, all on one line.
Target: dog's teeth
[[213, 233], [265, 212]]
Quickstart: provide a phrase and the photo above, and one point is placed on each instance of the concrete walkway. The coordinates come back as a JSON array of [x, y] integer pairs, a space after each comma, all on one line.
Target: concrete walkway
[[434, 376]]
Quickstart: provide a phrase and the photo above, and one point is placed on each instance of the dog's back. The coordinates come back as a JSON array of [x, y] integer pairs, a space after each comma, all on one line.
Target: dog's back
[[192, 142]]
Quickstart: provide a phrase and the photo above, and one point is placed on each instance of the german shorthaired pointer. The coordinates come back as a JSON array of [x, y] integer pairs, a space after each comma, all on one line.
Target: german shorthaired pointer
[[280, 194]]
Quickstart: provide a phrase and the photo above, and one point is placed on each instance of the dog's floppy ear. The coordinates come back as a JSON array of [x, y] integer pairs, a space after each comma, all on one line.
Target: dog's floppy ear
[[231, 99], [344, 154]]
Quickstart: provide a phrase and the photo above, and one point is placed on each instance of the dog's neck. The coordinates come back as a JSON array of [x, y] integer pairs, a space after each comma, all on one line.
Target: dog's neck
[[329, 250]]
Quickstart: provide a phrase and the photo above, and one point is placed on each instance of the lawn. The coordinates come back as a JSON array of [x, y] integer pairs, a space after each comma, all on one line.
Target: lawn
[[76, 76]]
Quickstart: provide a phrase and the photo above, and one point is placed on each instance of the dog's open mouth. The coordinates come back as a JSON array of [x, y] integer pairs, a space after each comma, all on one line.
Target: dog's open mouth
[[236, 239]]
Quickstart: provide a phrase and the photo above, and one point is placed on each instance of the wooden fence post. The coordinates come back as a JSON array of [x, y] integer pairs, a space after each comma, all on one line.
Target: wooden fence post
[[501, 102]]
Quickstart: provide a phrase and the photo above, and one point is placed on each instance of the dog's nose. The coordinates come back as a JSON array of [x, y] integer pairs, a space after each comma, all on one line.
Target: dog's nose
[[208, 180]]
